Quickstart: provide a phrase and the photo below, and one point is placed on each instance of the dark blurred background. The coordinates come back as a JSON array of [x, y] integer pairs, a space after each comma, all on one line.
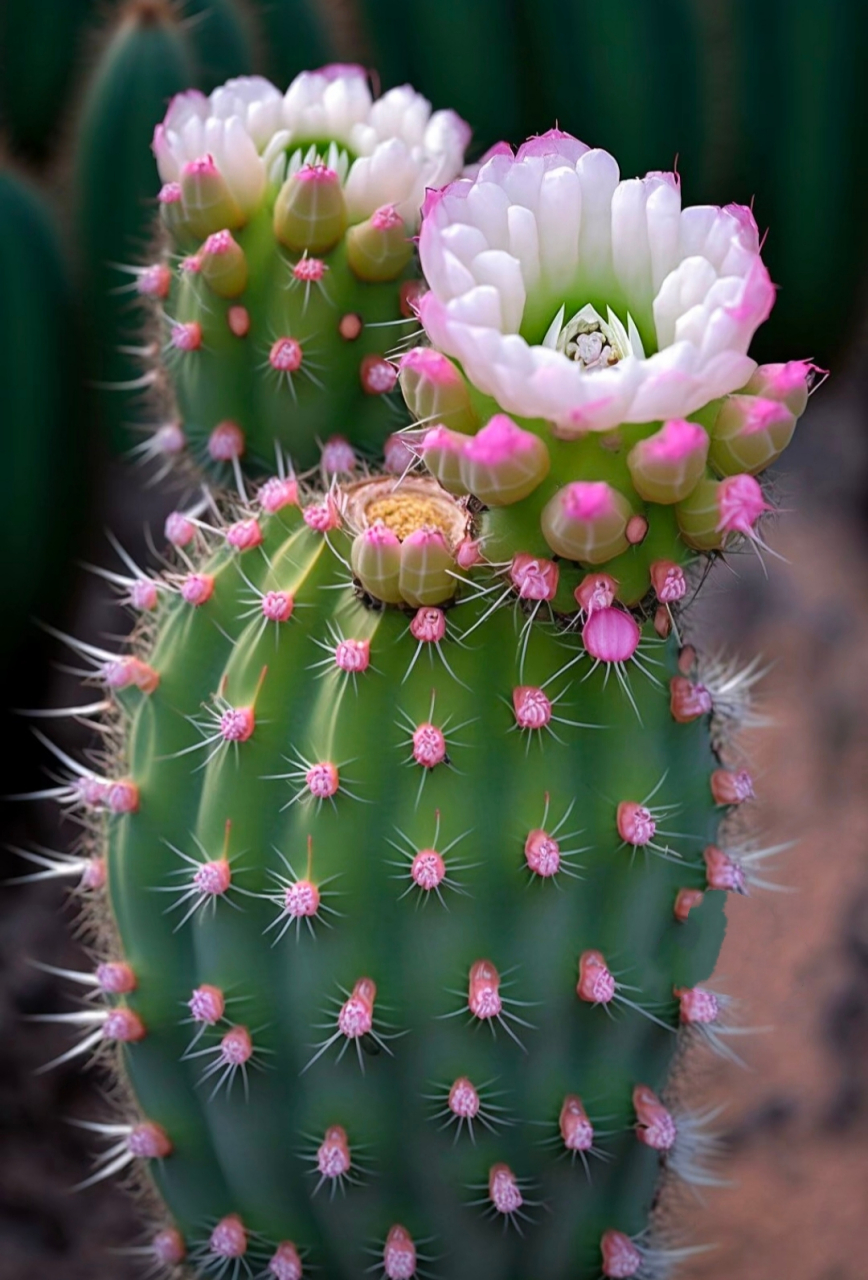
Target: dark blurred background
[[764, 103]]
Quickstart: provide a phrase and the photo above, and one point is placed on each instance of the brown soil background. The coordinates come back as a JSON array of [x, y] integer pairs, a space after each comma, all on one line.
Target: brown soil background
[[796, 1121]]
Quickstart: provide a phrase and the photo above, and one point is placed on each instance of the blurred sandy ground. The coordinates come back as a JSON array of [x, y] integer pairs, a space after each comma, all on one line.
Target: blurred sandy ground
[[797, 1121]]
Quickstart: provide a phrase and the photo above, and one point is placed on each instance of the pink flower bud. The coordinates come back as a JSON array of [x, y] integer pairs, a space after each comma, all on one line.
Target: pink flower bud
[[587, 521], [789, 383], [667, 466], [310, 215], [208, 203], [435, 390], [427, 572], [376, 562], [731, 786], [441, 450], [668, 581], [223, 265], [688, 701], [503, 463], [750, 433], [226, 442], [154, 281]]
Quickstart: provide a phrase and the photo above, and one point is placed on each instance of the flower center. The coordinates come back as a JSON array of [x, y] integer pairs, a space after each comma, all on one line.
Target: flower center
[[591, 341]]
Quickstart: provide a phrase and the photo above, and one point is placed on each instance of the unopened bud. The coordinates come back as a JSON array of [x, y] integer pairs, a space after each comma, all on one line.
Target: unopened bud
[[238, 320], [667, 466], [688, 701], [427, 573], [223, 265], [668, 581], [376, 562], [310, 215], [172, 210], [789, 383], [596, 591], [154, 281], [441, 451], [750, 433], [731, 786], [621, 1259], [208, 202], [587, 521], [503, 463], [435, 390], [379, 248]]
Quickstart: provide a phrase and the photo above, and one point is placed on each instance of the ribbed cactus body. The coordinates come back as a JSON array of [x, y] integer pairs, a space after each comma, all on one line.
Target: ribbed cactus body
[[292, 358], [479, 807]]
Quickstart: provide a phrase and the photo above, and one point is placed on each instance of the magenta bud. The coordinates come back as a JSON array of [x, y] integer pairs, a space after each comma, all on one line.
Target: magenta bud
[[278, 492], [668, 581], [154, 281], [223, 265], [665, 467], [435, 390], [468, 553], [611, 635], [441, 451], [740, 504], [790, 383], [503, 463], [226, 442], [376, 562], [179, 529], [596, 591], [338, 456], [587, 521], [533, 577], [238, 320], [208, 202], [186, 335], [377, 375], [310, 214], [750, 433], [398, 457]]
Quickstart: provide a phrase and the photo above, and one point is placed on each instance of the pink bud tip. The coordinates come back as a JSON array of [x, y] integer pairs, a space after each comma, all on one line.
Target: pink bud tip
[[149, 1141], [503, 1189], [229, 1238], [596, 591], [277, 606], [353, 655], [425, 538], [377, 376], [611, 635], [636, 530], [95, 874], [685, 901], [697, 1005], [129, 671], [635, 824], [399, 1255], [350, 326], [226, 442], [429, 745], [179, 530], [542, 853], [397, 455], [356, 1017], [333, 1156], [187, 336], [668, 581], [428, 625], [277, 493], [483, 991], [91, 791], [116, 977], [319, 174], [200, 167], [121, 797], [467, 553], [169, 1248], [464, 1099], [236, 1047], [532, 707], [588, 500], [322, 516], [322, 780], [621, 1259], [285, 355], [444, 440], [688, 701], [676, 440], [170, 193], [731, 787], [722, 871], [309, 270], [655, 1126], [338, 456], [380, 535], [534, 578], [740, 503], [207, 1004], [197, 588], [386, 218], [237, 724], [301, 900], [244, 535], [576, 1129], [143, 594], [434, 366], [428, 870], [219, 242], [213, 878], [763, 413], [596, 984], [124, 1026], [191, 265], [154, 281], [499, 441], [238, 319], [285, 1263]]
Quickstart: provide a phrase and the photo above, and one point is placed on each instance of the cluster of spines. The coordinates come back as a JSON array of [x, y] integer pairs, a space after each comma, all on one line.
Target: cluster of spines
[[700, 1010]]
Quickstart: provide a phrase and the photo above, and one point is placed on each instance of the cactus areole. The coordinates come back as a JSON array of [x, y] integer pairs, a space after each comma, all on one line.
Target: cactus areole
[[419, 837]]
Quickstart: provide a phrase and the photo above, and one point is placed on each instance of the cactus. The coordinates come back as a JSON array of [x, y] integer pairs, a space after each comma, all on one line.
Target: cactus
[[400, 757], [290, 270]]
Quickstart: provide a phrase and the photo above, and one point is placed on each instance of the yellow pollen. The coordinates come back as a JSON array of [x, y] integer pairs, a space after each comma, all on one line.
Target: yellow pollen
[[404, 514]]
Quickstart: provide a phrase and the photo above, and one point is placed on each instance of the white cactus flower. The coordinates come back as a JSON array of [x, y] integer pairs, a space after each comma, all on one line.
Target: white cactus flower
[[570, 295]]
